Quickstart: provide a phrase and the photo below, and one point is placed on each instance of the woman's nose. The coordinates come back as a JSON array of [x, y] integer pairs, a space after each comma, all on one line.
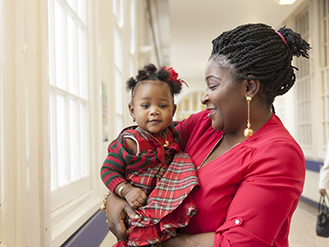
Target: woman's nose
[[205, 98]]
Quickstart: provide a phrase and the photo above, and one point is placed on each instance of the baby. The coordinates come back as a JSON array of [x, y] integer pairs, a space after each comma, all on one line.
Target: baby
[[144, 164]]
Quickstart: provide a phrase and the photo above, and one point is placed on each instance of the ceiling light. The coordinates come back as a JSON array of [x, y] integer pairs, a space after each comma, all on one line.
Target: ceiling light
[[286, 2]]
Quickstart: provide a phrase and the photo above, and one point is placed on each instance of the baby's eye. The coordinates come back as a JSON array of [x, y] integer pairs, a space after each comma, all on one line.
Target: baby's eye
[[145, 106], [163, 106]]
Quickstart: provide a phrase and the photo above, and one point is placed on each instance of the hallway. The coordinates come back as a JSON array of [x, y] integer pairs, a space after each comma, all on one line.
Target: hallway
[[302, 232]]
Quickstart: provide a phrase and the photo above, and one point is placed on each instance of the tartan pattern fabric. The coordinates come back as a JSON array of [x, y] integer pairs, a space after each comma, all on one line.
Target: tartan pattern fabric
[[167, 184], [178, 181], [120, 165], [168, 206]]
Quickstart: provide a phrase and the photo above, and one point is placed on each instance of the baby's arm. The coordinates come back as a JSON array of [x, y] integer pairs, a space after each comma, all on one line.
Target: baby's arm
[[134, 196], [131, 146]]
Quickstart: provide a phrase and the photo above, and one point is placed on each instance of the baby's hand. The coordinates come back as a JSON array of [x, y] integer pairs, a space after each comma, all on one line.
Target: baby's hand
[[136, 197]]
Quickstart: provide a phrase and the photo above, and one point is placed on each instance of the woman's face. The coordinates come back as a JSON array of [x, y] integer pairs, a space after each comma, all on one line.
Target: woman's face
[[224, 97]]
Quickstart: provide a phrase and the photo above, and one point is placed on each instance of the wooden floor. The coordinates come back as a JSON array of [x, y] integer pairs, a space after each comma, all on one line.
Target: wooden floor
[[302, 231]]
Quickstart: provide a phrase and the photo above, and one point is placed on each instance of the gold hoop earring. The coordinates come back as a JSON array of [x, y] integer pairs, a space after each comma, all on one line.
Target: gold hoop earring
[[248, 132]]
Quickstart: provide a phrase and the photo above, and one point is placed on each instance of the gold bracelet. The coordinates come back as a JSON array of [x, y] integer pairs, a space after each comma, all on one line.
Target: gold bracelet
[[121, 189], [103, 206]]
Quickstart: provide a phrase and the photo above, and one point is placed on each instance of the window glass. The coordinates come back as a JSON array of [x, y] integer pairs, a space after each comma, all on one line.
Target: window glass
[[324, 5], [303, 87], [69, 101]]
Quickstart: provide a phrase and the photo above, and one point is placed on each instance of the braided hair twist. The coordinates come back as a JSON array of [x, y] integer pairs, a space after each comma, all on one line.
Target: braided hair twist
[[258, 50], [151, 72]]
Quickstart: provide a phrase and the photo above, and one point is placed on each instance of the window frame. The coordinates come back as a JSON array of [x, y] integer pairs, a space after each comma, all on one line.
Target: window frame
[[323, 88], [82, 197], [304, 100], [65, 173]]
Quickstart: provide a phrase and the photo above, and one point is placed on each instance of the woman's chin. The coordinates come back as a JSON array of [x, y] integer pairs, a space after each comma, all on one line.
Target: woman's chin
[[216, 126]]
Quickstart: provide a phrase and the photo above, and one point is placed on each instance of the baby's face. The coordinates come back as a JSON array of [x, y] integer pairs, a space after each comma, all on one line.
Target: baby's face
[[152, 106]]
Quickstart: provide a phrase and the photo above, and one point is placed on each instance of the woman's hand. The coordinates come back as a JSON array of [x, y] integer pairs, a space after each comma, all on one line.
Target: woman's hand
[[117, 210]]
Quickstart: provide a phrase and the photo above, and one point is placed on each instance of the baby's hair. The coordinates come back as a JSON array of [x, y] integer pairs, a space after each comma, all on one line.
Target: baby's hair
[[260, 51], [151, 72]]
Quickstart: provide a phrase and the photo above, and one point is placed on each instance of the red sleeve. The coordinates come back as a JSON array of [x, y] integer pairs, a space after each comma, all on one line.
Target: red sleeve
[[186, 127], [112, 170], [261, 210]]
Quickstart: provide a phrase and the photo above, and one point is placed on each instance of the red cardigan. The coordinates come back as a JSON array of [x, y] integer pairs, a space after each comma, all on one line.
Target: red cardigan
[[247, 196]]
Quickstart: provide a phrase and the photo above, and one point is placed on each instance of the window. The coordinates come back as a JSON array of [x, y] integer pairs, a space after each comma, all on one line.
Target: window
[[188, 105], [69, 100], [132, 30], [132, 38], [118, 64], [324, 41], [303, 87]]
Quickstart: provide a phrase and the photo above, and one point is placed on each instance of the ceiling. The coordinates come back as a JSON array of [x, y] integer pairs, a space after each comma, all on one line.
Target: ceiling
[[194, 23]]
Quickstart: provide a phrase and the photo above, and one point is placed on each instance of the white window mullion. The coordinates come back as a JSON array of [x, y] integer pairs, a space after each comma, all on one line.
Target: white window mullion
[[73, 138], [67, 170], [66, 51], [76, 143], [84, 139], [71, 55], [58, 42], [61, 137], [53, 140]]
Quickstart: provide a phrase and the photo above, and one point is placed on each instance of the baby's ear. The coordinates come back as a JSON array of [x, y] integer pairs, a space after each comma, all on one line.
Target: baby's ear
[[174, 109], [132, 111]]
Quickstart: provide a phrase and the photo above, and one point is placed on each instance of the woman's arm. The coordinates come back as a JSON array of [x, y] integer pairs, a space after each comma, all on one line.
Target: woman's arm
[[187, 240], [116, 211], [262, 207]]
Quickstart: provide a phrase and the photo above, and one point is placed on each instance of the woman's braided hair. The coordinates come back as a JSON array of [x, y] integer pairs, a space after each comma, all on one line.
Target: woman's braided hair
[[257, 50], [152, 73]]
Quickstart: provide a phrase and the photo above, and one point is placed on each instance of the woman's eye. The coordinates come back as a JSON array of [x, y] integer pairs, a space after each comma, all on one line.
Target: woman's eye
[[212, 87]]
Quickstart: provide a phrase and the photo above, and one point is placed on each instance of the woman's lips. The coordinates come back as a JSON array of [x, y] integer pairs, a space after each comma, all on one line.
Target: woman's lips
[[212, 112]]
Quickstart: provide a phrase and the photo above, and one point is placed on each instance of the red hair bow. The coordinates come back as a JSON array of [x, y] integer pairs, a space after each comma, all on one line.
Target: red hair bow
[[174, 76]]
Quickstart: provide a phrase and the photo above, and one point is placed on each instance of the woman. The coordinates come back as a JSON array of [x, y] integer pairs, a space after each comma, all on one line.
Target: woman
[[251, 171]]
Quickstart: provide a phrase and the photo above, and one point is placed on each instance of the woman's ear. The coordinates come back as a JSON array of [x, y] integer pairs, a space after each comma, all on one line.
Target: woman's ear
[[132, 111], [252, 87]]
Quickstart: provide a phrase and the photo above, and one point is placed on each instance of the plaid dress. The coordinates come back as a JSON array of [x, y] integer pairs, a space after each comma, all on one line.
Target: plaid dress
[[165, 174]]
